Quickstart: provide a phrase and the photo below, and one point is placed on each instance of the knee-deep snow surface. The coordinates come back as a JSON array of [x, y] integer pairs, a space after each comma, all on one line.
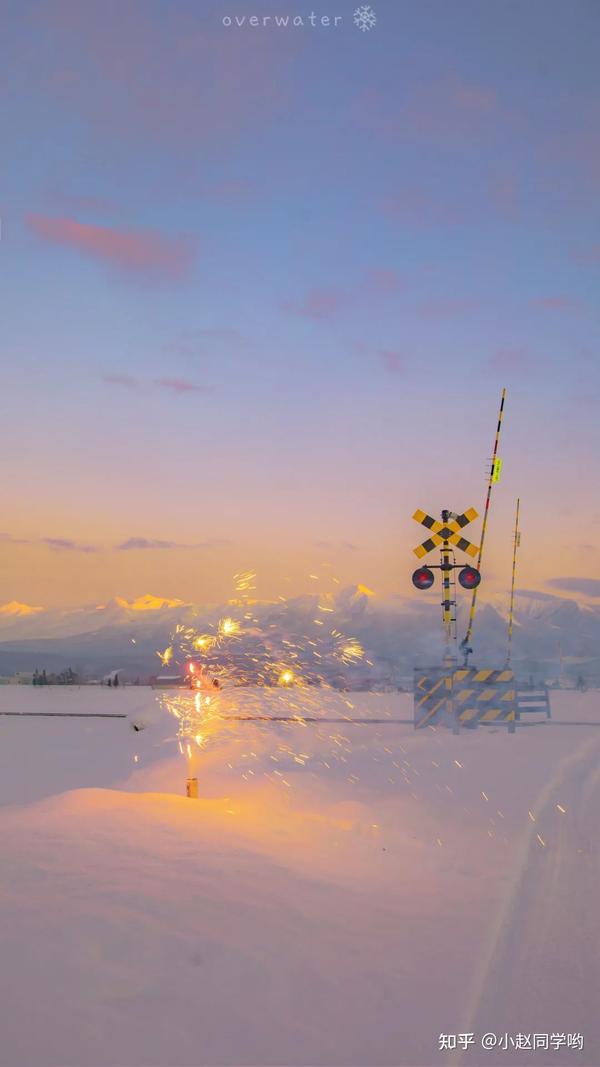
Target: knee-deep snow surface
[[340, 893]]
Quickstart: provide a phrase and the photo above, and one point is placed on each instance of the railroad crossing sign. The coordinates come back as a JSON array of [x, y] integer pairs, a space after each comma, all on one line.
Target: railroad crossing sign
[[445, 531]]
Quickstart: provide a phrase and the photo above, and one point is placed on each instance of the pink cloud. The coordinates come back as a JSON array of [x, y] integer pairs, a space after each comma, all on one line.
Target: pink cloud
[[317, 304], [446, 110], [451, 108], [360, 347], [412, 206], [552, 303], [508, 359], [175, 385], [179, 386], [143, 252], [324, 303], [382, 281], [173, 79], [394, 362], [474, 99]]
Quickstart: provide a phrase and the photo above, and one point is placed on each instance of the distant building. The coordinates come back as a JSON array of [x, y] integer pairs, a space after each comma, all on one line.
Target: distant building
[[171, 680]]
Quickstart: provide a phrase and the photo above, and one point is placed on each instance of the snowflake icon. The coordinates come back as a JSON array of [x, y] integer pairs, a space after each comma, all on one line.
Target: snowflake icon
[[364, 17]]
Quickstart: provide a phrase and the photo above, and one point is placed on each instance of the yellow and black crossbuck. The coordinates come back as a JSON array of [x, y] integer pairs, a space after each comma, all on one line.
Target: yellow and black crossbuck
[[445, 531], [465, 696]]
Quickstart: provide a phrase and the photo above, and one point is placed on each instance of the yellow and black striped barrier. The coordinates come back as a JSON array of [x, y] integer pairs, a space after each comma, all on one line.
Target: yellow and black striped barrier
[[433, 696], [464, 696]]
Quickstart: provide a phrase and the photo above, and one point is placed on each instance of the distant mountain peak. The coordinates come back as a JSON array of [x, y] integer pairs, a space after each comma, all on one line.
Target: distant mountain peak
[[148, 602], [15, 607]]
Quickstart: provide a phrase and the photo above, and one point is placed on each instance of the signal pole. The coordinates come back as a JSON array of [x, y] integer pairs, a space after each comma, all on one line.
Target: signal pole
[[494, 476], [447, 602], [516, 544], [444, 534]]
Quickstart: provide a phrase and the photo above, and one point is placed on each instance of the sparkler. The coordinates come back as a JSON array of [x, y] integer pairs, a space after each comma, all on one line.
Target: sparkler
[[275, 651]]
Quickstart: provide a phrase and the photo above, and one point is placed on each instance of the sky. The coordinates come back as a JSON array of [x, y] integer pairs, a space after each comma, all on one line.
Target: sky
[[262, 286]]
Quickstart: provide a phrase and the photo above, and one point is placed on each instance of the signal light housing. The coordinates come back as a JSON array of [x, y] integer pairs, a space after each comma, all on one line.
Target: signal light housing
[[423, 578], [469, 577]]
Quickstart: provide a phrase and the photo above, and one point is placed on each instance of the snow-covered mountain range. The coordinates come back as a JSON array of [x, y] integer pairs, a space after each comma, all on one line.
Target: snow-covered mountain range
[[321, 636]]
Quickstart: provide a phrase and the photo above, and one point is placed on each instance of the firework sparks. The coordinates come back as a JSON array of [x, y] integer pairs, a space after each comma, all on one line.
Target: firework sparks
[[351, 651], [202, 642], [253, 649], [244, 582]]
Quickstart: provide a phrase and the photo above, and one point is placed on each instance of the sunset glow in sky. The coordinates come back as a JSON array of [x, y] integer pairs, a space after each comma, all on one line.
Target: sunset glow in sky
[[262, 287]]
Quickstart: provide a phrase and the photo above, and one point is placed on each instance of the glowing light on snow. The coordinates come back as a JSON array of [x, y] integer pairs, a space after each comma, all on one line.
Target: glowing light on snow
[[148, 603], [286, 677], [228, 627]]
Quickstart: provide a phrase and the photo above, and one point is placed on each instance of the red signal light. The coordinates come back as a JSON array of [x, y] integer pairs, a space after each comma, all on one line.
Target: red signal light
[[423, 578], [469, 577]]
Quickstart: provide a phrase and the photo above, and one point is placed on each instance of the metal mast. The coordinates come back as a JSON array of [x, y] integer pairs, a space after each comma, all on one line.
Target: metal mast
[[516, 544], [494, 476]]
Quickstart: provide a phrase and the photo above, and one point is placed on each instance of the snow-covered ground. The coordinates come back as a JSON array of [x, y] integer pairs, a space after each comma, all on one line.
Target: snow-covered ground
[[340, 893]]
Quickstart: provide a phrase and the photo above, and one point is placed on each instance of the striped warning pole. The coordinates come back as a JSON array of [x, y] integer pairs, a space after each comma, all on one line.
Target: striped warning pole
[[516, 544], [494, 476], [448, 618]]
